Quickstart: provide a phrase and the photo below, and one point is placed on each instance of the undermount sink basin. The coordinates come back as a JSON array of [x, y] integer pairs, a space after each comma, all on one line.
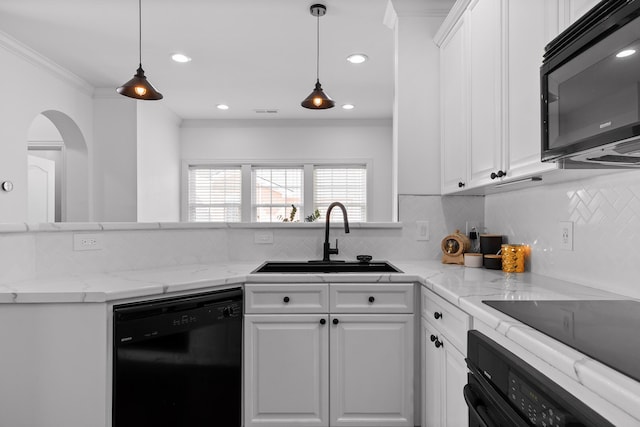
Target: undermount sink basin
[[326, 267]]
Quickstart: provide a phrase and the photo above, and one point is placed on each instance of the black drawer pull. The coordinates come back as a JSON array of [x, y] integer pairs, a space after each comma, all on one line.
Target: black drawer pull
[[286, 300], [371, 299], [438, 343], [437, 315], [323, 321], [433, 338], [336, 321]]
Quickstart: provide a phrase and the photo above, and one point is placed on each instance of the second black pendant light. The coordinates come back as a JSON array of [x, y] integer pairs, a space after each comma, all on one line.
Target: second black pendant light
[[318, 100], [139, 87]]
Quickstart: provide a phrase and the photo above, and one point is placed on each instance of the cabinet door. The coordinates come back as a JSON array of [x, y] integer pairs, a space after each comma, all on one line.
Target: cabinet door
[[371, 370], [484, 23], [526, 37], [286, 370], [454, 371], [432, 379], [454, 110]]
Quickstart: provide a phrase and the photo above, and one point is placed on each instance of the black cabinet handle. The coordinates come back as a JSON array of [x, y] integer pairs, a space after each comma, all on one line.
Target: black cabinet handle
[[336, 321], [371, 299], [323, 321], [461, 184], [500, 174], [438, 343], [437, 315], [286, 299], [433, 338]]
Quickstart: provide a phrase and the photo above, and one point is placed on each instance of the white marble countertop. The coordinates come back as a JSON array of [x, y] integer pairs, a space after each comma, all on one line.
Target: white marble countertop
[[614, 395]]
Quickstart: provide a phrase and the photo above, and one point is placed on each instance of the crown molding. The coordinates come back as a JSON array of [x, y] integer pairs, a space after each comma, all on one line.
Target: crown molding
[[415, 8], [24, 52], [452, 18]]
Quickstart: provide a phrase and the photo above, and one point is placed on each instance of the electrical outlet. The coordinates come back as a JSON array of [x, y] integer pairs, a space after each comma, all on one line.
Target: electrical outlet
[[263, 237], [87, 242], [422, 230], [471, 224], [565, 233]]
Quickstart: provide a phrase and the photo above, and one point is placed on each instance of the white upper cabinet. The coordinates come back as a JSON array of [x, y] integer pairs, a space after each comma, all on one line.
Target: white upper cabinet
[[483, 20], [491, 53], [453, 104], [525, 37]]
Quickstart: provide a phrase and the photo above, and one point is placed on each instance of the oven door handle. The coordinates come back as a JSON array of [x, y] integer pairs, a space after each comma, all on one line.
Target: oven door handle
[[477, 410]]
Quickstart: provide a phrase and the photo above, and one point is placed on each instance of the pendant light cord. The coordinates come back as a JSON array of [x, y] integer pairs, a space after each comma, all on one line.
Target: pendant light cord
[[140, 31], [318, 47]]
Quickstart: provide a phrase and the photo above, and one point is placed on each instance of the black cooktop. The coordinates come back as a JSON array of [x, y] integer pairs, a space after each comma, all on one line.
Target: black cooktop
[[605, 330]]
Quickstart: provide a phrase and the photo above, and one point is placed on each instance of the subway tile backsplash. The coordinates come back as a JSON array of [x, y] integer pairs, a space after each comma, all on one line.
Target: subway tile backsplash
[[605, 211]]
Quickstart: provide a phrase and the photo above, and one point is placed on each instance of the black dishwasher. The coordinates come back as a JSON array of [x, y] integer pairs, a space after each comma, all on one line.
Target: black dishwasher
[[177, 361]]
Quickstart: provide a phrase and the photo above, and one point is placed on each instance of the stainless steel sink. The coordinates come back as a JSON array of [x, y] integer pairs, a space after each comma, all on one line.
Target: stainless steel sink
[[326, 267]]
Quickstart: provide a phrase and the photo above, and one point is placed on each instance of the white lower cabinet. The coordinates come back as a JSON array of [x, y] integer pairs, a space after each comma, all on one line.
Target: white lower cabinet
[[371, 370], [329, 368], [444, 371], [286, 364]]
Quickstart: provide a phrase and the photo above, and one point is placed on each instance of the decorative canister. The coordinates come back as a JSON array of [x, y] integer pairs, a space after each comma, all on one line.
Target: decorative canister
[[490, 243], [513, 258], [493, 262]]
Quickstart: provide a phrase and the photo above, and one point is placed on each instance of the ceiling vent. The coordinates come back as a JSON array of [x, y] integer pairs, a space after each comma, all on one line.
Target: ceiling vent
[[266, 111]]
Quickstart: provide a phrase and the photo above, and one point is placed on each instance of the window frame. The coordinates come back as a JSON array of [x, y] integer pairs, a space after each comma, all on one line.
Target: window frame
[[232, 167], [254, 204], [246, 179]]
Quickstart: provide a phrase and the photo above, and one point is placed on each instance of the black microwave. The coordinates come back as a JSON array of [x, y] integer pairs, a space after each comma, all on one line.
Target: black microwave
[[590, 89]]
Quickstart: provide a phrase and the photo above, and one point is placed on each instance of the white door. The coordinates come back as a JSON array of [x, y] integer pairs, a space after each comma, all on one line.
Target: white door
[[455, 377], [286, 370], [432, 379], [41, 189], [453, 103], [484, 23], [371, 362]]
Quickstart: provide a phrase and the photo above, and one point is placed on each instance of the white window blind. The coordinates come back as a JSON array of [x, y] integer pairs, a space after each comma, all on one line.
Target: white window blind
[[344, 184], [215, 194], [275, 190]]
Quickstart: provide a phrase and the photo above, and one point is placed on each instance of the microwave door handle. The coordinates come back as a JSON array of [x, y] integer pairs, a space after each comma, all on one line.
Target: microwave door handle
[[477, 410]]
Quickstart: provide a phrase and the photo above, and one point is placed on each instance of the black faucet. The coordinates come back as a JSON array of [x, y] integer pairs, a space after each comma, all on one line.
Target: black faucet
[[327, 250]]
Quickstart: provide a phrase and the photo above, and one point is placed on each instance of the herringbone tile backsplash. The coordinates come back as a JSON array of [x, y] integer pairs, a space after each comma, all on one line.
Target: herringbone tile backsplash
[[605, 211]]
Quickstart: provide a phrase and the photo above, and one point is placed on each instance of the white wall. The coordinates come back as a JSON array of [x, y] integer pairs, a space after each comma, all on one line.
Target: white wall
[[416, 110], [31, 85], [116, 151], [158, 163], [285, 140]]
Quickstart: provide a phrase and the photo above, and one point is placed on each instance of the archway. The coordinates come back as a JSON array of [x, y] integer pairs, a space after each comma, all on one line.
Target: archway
[[72, 159]]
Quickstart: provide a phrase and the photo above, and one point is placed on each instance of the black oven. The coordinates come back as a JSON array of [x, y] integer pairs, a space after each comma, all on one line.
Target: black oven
[[504, 391]]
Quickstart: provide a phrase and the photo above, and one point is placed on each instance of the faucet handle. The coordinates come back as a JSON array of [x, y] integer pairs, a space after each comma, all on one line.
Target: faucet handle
[[333, 251]]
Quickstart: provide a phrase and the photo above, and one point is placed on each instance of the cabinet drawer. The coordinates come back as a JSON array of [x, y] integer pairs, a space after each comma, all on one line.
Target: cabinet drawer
[[371, 298], [286, 298], [447, 318]]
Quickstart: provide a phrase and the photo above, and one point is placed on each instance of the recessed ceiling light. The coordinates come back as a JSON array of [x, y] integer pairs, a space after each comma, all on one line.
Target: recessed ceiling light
[[222, 107], [626, 52], [357, 58], [179, 57], [348, 106]]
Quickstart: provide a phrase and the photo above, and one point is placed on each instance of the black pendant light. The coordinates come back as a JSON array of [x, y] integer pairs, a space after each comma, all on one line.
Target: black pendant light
[[318, 100], [139, 87]]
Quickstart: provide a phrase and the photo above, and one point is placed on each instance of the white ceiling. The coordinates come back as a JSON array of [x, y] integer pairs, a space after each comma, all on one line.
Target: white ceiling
[[249, 54]]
